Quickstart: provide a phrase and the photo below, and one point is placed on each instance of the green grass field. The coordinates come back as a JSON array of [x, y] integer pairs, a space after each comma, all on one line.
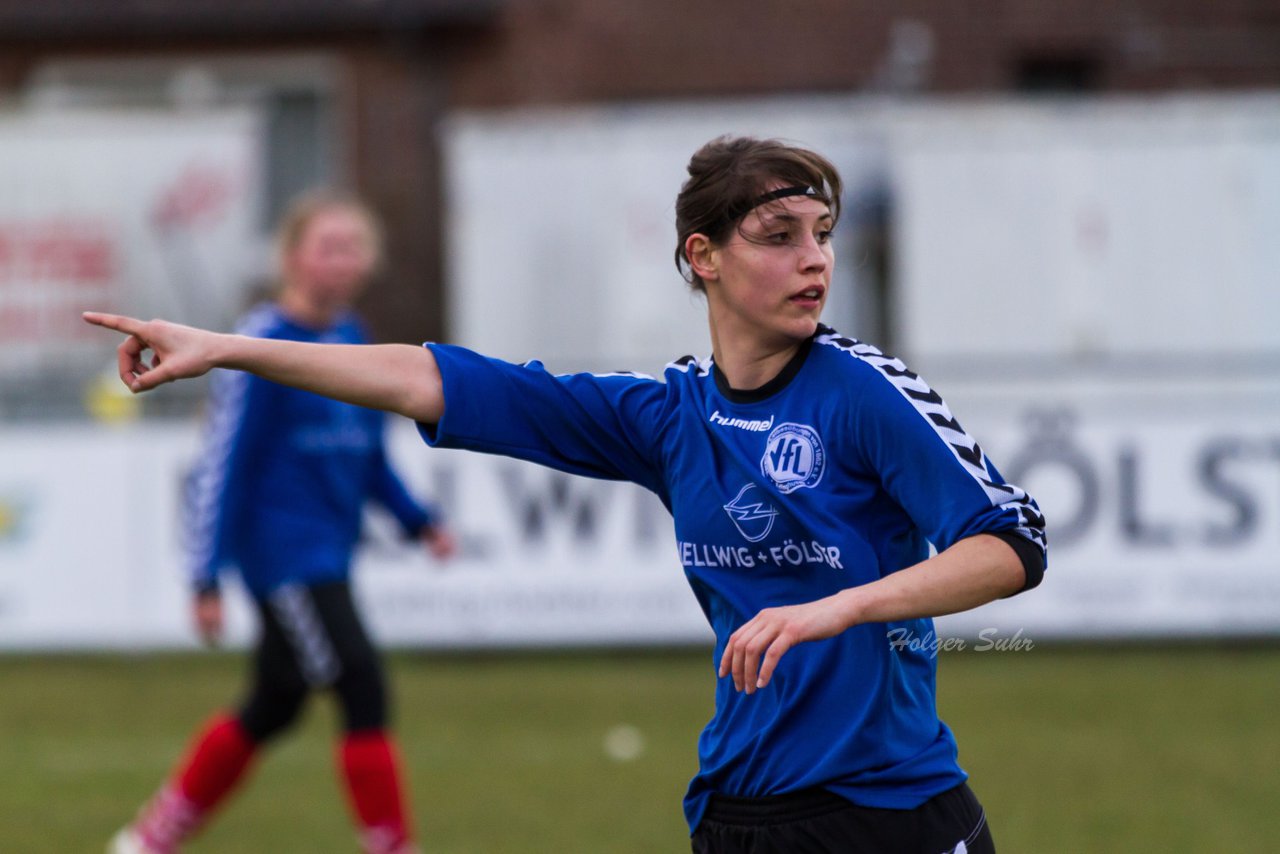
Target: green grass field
[[1072, 749]]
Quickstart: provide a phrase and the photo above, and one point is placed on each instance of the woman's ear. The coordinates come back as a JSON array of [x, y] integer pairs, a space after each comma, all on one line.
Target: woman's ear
[[703, 260]]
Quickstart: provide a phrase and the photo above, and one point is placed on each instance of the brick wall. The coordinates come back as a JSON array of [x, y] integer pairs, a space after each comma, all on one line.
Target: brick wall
[[584, 50]]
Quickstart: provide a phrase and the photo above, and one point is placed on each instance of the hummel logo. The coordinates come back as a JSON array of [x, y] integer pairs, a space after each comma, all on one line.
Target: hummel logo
[[741, 423]]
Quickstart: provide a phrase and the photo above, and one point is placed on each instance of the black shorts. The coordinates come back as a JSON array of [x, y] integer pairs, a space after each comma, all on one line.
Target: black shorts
[[312, 639], [815, 821]]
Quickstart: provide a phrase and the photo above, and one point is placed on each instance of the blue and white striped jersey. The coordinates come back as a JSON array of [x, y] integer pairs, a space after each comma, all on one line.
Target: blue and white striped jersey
[[282, 476], [841, 470]]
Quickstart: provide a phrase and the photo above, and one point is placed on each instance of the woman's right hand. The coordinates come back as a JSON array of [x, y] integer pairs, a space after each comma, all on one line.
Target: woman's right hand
[[177, 351], [206, 613]]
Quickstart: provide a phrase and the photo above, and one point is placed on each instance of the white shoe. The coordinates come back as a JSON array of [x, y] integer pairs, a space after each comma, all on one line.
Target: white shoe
[[128, 842], [376, 840]]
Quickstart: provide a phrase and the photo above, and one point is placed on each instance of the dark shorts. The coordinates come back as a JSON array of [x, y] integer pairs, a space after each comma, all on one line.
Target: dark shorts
[[816, 821], [312, 639]]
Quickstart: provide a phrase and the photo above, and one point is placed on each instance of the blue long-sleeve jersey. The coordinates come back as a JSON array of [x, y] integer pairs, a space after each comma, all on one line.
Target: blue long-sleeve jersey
[[838, 472], [278, 489]]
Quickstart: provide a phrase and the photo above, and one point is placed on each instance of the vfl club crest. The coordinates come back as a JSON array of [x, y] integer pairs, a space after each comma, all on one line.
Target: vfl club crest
[[752, 517], [793, 457]]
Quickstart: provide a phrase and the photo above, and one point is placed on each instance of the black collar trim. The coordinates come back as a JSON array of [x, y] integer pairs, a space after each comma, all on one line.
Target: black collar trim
[[773, 386]]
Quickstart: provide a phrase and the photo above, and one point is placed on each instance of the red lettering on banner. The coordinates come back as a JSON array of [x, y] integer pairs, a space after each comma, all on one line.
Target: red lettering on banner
[[201, 194], [77, 253], [51, 270]]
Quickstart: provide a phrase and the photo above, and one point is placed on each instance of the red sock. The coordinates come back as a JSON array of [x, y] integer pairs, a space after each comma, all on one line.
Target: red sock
[[372, 775], [215, 763]]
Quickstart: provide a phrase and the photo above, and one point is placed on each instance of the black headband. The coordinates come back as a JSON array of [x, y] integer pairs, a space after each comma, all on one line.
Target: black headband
[[737, 212], [782, 193]]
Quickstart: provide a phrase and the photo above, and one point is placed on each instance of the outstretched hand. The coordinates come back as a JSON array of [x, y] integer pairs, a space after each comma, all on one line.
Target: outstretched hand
[[754, 649], [177, 352]]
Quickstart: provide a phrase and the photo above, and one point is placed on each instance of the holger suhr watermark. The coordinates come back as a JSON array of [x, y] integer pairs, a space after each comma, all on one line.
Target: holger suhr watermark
[[989, 639]]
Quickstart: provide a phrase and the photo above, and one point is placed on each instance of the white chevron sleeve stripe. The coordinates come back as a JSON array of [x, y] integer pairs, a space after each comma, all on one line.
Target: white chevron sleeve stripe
[[227, 401], [934, 410]]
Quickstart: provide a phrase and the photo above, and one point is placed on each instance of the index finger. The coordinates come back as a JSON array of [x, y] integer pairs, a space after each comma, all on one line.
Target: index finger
[[118, 322], [129, 361]]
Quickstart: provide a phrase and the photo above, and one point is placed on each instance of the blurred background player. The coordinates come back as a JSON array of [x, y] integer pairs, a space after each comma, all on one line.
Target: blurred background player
[[278, 493]]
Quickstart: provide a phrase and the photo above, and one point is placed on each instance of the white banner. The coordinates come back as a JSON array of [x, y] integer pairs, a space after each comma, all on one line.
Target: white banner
[[1130, 302], [1119, 229], [90, 551], [1164, 520], [89, 536], [145, 212], [1162, 499]]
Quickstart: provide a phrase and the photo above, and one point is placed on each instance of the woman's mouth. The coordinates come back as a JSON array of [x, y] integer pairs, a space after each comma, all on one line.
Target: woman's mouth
[[811, 295]]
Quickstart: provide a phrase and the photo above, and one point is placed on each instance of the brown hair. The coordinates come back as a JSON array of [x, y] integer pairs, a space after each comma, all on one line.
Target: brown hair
[[729, 173], [306, 207]]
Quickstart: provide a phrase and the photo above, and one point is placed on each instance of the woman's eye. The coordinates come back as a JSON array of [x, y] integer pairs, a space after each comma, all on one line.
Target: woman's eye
[[824, 236], [780, 236]]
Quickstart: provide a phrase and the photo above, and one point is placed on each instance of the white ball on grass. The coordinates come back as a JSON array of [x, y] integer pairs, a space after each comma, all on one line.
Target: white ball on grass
[[623, 743]]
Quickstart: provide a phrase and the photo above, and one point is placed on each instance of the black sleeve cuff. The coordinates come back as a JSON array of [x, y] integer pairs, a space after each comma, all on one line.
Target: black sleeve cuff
[[1030, 555]]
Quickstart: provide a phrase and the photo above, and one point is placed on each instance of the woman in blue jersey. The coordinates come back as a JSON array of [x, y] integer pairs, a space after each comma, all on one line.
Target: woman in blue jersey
[[277, 494], [808, 475]]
